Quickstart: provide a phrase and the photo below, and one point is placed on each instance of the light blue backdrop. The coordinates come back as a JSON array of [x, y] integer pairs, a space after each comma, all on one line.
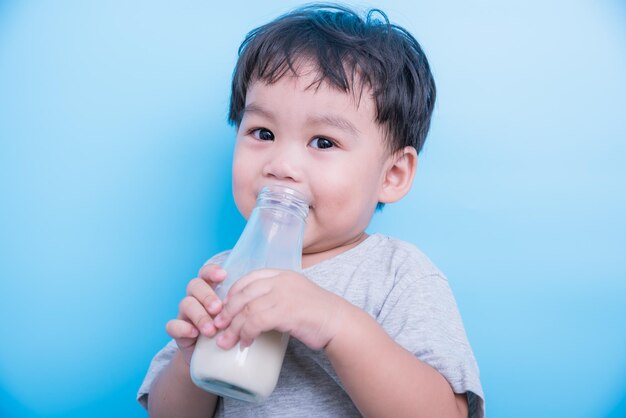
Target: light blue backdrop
[[115, 187]]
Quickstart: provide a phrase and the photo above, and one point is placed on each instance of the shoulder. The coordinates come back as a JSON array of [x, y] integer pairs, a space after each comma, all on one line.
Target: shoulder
[[404, 259], [416, 287], [380, 263]]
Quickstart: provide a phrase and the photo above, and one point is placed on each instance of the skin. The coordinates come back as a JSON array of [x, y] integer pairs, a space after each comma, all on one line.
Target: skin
[[326, 145]]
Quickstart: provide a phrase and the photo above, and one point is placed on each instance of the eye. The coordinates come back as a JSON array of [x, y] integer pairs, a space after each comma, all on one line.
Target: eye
[[263, 134], [321, 143]]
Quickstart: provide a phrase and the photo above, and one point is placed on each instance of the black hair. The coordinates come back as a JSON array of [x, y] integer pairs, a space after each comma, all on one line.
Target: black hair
[[350, 52]]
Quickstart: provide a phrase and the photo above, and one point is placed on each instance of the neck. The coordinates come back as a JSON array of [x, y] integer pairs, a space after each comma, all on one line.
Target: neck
[[314, 257]]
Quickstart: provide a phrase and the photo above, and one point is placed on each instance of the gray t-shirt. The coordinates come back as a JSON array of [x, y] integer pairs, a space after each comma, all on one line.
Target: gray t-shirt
[[409, 297]]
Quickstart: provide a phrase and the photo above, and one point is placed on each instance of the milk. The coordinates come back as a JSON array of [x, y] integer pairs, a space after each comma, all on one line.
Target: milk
[[272, 238], [248, 374]]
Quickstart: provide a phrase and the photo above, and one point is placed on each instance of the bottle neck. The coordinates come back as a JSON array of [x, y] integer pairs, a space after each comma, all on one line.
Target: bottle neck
[[284, 199], [272, 237], [276, 235]]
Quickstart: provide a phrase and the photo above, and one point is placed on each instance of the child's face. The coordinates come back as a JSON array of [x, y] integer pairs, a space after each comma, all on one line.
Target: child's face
[[319, 142]]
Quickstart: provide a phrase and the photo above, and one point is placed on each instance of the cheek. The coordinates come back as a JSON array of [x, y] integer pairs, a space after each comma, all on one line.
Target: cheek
[[242, 183], [238, 157], [243, 201], [238, 177], [243, 164], [356, 194], [346, 195], [349, 182]]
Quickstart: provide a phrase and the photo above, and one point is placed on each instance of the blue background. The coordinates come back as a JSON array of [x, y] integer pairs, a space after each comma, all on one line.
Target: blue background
[[115, 187]]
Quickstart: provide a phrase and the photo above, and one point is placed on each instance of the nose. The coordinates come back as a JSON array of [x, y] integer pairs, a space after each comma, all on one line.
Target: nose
[[284, 163]]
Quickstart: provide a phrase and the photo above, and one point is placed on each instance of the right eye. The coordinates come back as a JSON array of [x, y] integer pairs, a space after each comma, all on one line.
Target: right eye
[[263, 134]]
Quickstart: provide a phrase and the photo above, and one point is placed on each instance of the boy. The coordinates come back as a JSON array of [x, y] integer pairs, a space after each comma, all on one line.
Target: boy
[[337, 108]]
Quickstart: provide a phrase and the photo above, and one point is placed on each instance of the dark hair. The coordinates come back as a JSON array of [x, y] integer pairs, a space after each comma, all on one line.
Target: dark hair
[[350, 53]]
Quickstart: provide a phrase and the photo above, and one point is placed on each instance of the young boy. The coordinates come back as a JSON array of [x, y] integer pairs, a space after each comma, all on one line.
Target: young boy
[[338, 108]]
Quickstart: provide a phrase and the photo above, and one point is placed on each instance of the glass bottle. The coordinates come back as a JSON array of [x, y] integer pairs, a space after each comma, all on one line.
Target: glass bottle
[[272, 238]]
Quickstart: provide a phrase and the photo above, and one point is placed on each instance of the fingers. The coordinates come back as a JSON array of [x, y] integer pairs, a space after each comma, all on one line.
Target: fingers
[[185, 335], [248, 279], [258, 316], [192, 311], [249, 309], [213, 274], [197, 309], [241, 299], [204, 293], [246, 289], [182, 331]]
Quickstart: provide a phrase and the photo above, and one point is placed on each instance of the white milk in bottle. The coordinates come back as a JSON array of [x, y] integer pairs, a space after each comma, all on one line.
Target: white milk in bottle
[[272, 238]]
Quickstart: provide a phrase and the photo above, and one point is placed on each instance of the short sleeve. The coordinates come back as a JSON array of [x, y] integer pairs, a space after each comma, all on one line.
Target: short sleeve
[[157, 364], [421, 315]]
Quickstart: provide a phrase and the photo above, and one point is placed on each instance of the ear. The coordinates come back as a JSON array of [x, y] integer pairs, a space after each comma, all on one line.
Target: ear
[[398, 175]]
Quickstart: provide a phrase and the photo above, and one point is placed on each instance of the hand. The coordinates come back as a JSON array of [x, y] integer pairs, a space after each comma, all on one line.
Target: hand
[[197, 309], [279, 300]]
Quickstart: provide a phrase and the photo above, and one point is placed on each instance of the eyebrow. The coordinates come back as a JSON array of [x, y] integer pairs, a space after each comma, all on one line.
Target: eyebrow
[[253, 108], [332, 120], [337, 122]]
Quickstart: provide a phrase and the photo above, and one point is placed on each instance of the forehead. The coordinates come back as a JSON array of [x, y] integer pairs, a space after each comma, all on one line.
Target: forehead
[[310, 74], [306, 85]]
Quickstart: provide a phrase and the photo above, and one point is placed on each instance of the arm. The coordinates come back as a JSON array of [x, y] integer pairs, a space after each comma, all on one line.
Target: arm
[[173, 394], [382, 378]]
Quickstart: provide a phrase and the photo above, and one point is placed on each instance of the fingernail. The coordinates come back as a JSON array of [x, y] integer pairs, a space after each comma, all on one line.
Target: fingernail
[[218, 320], [221, 340], [208, 329], [194, 332]]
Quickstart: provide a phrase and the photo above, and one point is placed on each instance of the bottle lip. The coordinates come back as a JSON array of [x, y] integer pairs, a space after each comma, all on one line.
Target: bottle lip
[[283, 197]]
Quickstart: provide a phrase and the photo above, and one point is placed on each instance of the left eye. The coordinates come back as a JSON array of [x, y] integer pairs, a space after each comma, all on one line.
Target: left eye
[[263, 134], [321, 143]]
